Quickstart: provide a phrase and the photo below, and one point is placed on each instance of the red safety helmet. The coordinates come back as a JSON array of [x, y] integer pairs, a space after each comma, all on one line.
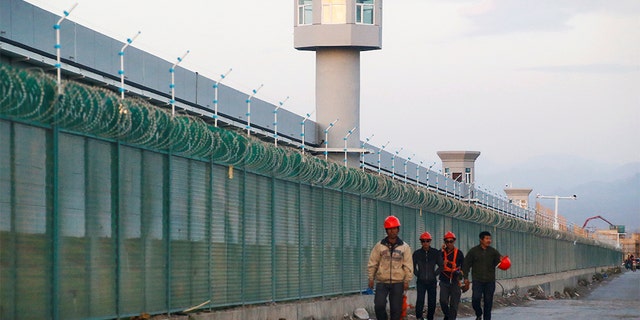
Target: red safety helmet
[[505, 263], [391, 222], [425, 236], [449, 235]]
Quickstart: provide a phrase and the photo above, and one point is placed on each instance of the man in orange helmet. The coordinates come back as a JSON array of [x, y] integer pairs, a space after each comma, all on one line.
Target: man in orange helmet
[[482, 260], [391, 268], [450, 291], [425, 261]]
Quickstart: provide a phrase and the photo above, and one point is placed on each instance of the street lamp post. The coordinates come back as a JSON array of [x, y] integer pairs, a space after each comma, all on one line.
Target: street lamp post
[[275, 120], [215, 97], [556, 226], [253, 93], [379, 151], [326, 139], [345, 144]]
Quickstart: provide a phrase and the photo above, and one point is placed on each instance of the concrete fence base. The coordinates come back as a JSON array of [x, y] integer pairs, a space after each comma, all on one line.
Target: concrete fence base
[[343, 307]]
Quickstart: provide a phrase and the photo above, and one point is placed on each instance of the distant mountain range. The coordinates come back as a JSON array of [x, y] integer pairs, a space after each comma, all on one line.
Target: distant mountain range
[[612, 192]]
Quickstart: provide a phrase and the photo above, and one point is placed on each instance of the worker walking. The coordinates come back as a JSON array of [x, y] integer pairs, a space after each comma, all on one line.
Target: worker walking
[[391, 268], [427, 264], [482, 260], [450, 277]]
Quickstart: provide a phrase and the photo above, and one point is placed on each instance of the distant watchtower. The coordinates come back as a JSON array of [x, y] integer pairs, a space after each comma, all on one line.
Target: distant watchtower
[[459, 165], [337, 30]]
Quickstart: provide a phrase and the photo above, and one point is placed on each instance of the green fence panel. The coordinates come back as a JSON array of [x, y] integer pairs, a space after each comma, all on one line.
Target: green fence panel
[[7, 236], [131, 259], [154, 237], [311, 240], [101, 259], [258, 233], [286, 240], [138, 211]]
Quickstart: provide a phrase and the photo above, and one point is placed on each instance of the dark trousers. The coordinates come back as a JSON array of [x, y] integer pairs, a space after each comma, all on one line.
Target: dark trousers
[[481, 289], [428, 287], [450, 293], [395, 291]]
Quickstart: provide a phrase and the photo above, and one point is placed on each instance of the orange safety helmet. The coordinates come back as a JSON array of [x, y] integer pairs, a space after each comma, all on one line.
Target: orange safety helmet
[[425, 236], [391, 222], [449, 235], [505, 263]]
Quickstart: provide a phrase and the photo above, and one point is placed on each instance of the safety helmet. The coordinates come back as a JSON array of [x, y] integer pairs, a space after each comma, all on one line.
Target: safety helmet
[[425, 236], [391, 222], [449, 235], [505, 263]]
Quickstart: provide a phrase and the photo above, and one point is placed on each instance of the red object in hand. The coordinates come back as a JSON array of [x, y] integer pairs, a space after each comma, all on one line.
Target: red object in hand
[[404, 306], [505, 263]]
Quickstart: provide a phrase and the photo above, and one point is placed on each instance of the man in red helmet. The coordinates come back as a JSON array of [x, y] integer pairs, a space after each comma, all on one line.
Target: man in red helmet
[[425, 261], [391, 268], [482, 260], [450, 291]]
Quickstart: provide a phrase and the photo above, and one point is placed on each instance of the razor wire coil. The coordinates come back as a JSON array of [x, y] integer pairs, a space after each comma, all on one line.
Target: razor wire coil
[[31, 96]]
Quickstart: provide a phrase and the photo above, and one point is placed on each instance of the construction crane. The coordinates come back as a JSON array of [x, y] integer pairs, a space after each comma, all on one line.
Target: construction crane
[[598, 217]]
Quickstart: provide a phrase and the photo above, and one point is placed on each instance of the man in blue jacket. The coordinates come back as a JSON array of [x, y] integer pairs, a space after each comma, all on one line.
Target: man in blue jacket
[[425, 261]]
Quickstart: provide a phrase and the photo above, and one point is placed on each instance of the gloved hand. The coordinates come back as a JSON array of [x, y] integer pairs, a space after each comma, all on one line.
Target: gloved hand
[[465, 288]]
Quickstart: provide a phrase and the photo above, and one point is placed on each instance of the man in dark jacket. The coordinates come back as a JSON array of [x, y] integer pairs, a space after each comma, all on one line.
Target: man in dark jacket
[[482, 260], [425, 261]]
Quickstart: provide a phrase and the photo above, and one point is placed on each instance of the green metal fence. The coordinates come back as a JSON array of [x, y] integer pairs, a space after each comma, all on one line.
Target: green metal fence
[[112, 208]]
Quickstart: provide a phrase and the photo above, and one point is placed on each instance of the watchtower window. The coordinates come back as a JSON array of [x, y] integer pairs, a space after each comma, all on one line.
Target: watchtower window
[[364, 11], [305, 12], [334, 11]]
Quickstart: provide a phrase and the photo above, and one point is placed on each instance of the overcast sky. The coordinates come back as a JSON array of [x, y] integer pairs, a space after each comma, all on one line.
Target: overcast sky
[[512, 79]]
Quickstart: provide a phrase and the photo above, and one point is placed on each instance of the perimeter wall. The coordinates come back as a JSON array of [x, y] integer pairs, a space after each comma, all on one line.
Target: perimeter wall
[[111, 208]]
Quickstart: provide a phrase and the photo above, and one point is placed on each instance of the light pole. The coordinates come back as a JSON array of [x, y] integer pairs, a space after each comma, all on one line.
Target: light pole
[[121, 71], [326, 138], [405, 167], [58, 46], [345, 144], [379, 151], [275, 120], [393, 163], [556, 226], [253, 93], [302, 132], [215, 97], [173, 85], [362, 152]]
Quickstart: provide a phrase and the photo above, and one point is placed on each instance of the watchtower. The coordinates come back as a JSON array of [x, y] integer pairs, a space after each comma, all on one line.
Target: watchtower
[[459, 165], [337, 30]]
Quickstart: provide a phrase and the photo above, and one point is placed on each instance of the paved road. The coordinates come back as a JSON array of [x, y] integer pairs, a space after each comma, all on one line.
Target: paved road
[[618, 299]]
